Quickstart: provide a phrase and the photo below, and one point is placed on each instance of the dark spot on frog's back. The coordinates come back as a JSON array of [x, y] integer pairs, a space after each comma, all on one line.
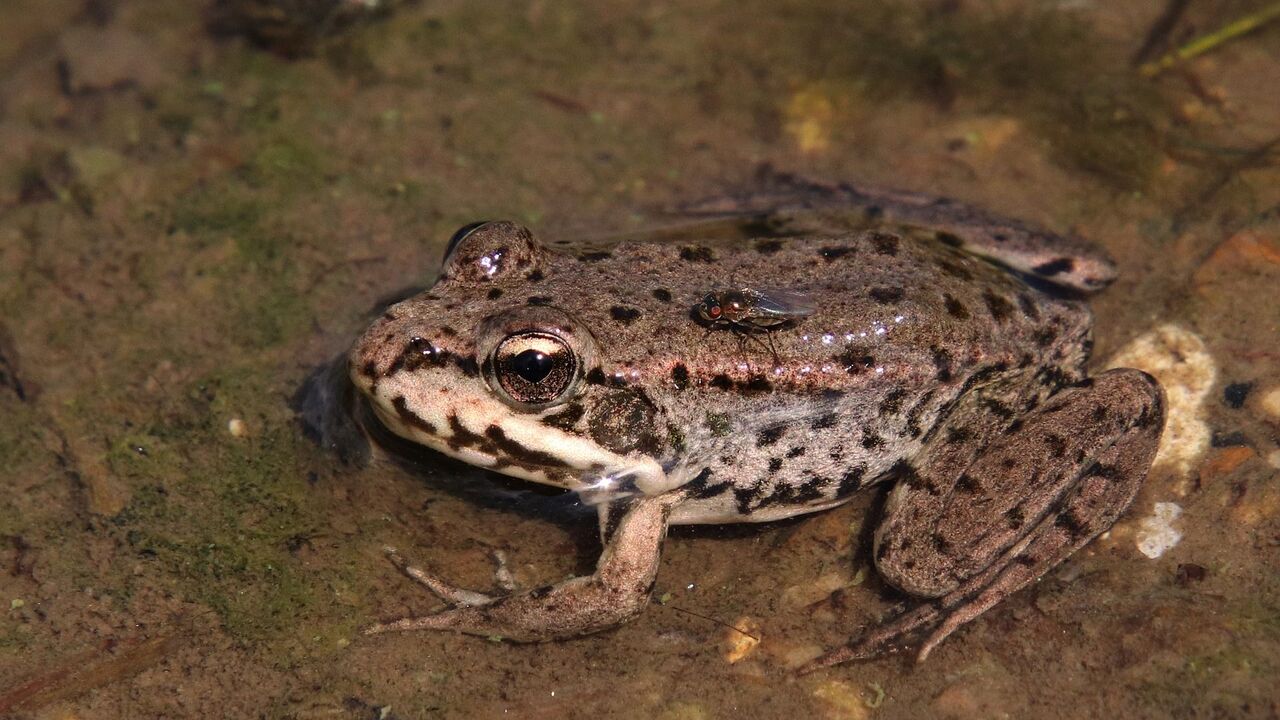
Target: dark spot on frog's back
[[1000, 308], [955, 308], [886, 295], [662, 294], [951, 239], [1054, 267], [680, 376], [624, 315], [535, 275], [851, 481], [943, 363], [697, 253], [495, 293], [884, 243], [595, 256], [892, 402], [722, 382], [835, 252], [856, 361], [538, 300], [770, 435], [768, 247], [1028, 306], [955, 269]]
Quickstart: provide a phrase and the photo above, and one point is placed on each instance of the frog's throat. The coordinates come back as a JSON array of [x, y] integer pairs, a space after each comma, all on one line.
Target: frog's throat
[[488, 436]]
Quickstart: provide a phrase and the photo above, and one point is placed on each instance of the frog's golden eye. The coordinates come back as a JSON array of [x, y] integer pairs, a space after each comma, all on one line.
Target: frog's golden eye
[[534, 369]]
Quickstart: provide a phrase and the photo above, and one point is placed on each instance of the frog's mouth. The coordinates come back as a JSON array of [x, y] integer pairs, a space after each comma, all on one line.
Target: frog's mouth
[[486, 434]]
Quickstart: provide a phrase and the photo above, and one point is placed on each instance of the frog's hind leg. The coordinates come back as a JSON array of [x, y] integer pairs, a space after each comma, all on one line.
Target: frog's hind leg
[[617, 591], [967, 535], [793, 205]]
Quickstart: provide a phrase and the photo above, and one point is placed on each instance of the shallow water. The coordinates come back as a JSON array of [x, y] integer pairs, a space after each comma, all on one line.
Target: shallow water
[[190, 223]]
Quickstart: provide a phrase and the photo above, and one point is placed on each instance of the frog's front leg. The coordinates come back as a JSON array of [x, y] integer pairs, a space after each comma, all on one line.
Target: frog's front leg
[[994, 505], [617, 591]]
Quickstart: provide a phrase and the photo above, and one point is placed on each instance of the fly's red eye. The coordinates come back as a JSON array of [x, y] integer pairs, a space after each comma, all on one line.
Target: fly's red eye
[[714, 311]]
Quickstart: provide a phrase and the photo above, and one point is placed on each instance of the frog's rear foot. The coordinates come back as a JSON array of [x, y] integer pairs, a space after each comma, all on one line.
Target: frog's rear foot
[[1042, 490]]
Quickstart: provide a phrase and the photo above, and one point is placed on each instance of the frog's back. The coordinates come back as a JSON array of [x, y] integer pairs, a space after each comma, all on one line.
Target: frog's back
[[901, 328]]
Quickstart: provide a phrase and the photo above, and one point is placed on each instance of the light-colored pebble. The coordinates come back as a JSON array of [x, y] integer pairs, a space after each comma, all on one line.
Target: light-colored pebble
[[1156, 534], [742, 639], [1178, 359], [806, 594], [1271, 402], [843, 700]]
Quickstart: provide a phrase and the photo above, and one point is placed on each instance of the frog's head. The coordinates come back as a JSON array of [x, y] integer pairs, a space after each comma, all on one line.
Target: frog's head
[[482, 369]]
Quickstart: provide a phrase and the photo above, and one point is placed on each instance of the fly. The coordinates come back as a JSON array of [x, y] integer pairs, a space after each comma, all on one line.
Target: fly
[[746, 310]]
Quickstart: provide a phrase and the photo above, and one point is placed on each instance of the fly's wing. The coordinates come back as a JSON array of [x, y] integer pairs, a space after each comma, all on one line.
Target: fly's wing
[[779, 305]]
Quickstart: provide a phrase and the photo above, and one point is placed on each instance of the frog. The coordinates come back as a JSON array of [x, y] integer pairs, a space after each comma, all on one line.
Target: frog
[[945, 358]]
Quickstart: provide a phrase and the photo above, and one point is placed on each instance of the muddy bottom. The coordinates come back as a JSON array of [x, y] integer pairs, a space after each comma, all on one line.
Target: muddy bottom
[[199, 207]]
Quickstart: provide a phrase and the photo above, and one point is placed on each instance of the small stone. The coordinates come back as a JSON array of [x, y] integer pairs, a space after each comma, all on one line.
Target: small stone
[[791, 655], [741, 639], [1156, 534], [1236, 393], [1224, 461], [843, 700], [1271, 402], [1177, 358], [1189, 573], [237, 428], [809, 118], [801, 596]]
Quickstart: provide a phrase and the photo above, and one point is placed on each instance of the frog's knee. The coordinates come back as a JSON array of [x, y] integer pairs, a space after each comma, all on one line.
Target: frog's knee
[[1129, 395], [917, 565]]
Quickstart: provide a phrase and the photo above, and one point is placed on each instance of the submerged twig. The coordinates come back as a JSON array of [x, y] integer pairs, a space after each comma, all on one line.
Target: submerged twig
[[714, 620], [1205, 43], [1160, 30]]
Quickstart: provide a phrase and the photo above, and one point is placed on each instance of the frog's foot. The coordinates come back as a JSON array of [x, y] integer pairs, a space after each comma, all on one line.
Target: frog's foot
[[1042, 490], [617, 591]]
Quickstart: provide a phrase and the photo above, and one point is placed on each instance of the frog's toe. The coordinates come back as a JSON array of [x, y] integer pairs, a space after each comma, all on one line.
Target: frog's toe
[[885, 639], [438, 586]]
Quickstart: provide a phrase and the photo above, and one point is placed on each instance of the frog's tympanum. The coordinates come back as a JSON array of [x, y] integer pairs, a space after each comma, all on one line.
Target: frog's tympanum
[[945, 356]]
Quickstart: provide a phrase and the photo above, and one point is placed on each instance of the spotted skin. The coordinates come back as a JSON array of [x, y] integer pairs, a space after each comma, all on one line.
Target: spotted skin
[[927, 363]]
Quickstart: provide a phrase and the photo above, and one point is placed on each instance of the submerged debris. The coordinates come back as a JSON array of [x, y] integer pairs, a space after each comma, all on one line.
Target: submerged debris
[[1178, 359], [1156, 534], [741, 639], [292, 27]]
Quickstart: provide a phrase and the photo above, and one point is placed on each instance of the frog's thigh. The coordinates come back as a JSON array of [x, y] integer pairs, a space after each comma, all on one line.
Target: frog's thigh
[[1053, 481]]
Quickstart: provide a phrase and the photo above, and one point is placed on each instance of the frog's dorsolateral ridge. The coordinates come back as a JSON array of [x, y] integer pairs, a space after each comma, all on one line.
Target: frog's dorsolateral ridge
[[946, 357]]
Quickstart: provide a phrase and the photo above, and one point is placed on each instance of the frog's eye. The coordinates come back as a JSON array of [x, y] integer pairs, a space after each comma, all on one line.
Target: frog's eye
[[534, 369], [461, 235]]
